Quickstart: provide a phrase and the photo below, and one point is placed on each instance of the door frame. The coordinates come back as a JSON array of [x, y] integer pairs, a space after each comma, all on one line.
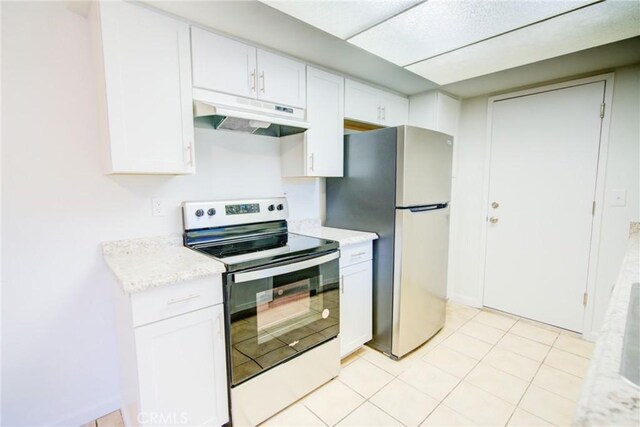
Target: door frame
[[599, 197]]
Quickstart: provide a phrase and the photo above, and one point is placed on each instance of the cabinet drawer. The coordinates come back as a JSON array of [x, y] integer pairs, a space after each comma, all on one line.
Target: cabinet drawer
[[173, 300], [355, 253]]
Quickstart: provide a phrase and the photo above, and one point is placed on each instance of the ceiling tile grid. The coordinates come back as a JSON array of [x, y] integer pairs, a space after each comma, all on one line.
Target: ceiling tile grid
[[446, 41]]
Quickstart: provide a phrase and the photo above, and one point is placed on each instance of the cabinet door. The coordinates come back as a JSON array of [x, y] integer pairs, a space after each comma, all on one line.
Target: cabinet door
[[222, 64], [395, 110], [362, 102], [182, 369], [281, 80], [325, 113], [356, 306], [147, 69]]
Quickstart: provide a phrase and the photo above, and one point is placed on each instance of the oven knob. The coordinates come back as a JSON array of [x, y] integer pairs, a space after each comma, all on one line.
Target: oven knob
[[280, 207], [271, 208], [199, 212], [211, 212]]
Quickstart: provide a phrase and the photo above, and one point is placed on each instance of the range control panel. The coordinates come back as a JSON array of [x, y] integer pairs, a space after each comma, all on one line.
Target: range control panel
[[208, 214]]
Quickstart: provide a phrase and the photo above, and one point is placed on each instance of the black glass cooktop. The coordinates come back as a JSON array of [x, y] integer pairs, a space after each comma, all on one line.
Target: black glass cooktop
[[254, 251]]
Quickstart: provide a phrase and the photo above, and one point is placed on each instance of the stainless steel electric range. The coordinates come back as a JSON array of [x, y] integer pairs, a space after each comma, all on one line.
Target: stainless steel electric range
[[282, 303]]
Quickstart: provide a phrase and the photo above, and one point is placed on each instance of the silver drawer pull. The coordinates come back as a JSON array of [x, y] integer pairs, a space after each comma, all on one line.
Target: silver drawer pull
[[358, 254], [183, 299]]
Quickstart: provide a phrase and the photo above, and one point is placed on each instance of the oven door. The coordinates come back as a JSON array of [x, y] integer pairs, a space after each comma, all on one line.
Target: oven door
[[278, 312]]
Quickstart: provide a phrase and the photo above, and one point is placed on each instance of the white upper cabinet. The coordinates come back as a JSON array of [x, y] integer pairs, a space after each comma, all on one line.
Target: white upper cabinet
[[395, 110], [319, 151], [228, 66], [362, 102], [435, 110], [147, 81], [222, 64], [367, 104], [280, 80]]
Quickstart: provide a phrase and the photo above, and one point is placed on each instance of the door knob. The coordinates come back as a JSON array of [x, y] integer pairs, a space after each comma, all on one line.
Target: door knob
[[495, 205], [493, 220]]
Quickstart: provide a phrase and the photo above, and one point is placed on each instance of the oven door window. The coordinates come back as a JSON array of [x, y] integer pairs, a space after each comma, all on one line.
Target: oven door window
[[275, 318]]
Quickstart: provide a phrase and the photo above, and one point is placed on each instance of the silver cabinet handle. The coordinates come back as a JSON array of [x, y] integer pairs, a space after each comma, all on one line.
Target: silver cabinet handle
[[283, 269], [358, 254], [342, 284], [220, 337], [379, 113], [190, 149], [493, 220], [311, 162], [262, 80], [252, 80], [183, 299], [384, 113]]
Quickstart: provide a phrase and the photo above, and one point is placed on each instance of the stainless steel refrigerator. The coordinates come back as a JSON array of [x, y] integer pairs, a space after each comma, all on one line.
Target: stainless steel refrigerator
[[397, 183]]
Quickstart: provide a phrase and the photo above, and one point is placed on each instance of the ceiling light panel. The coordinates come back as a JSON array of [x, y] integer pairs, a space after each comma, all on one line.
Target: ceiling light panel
[[342, 18], [602, 23], [439, 26]]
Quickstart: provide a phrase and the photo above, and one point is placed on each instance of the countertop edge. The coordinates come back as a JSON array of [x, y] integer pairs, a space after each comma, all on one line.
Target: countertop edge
[[343, 236], [607, 398], [145, 263]]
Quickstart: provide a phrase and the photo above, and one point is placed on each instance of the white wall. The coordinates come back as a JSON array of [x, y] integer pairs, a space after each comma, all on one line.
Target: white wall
[[465, 286], [622, 173], [58, 355]]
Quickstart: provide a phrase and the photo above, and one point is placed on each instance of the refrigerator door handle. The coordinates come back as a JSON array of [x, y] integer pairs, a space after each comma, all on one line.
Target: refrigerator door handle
[[429, 207]]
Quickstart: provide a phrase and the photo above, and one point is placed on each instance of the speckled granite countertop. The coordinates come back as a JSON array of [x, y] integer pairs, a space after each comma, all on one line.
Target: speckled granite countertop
[[146, 263], [344, 237], [607, 399]]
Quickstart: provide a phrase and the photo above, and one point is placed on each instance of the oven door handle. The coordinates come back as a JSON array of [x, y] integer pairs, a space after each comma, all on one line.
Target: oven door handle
[[283, 269]]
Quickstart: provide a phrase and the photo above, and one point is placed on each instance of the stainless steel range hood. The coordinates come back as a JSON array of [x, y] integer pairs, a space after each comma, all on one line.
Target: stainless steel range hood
[[224, 112]]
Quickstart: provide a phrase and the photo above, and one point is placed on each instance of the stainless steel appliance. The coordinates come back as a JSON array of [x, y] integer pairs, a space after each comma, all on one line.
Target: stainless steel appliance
[[281, 302], [397, 183]]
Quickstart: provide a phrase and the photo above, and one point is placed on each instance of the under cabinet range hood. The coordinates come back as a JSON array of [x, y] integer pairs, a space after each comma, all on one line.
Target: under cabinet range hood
[[220, 111]]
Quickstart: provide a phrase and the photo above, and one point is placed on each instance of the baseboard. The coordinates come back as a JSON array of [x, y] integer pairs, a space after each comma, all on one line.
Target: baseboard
[[472, 302], [89, 414]]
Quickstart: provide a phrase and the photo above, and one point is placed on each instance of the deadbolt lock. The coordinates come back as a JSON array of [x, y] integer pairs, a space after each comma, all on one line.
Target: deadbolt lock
[[493, 220], [495, 205]]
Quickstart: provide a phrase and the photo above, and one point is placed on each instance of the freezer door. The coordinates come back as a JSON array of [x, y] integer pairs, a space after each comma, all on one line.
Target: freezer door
[[423, 166], [420, 276]]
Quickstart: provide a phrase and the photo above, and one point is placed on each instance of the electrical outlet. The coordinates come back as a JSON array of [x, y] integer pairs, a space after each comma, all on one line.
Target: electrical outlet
[[158, 207]]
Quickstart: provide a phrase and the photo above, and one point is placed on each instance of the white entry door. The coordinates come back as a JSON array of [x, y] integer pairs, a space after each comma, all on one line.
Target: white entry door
[[544, 157]]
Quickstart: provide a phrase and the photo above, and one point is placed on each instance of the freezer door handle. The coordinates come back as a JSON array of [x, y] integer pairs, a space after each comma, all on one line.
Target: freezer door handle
[[429, 207]]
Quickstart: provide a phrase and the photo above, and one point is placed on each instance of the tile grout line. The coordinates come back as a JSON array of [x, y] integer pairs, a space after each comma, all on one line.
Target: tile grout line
[[531, 383], [441, 401], [397, 376], [467, 374]]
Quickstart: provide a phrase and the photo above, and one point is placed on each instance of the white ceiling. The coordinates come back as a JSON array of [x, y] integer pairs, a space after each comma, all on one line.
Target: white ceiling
[[438, 26], [343, 19], [446, 41], [555, 48]]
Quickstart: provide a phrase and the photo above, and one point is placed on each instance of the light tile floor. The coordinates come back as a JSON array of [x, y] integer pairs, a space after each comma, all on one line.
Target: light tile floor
[[482, 368]]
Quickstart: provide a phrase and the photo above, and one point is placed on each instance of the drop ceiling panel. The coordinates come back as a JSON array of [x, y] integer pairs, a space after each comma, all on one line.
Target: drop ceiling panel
[[439, 26], [341, 18], [596, 25]]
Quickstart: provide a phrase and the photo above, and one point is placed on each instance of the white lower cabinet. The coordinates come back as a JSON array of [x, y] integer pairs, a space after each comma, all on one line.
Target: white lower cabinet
[[356, 297], [173, 367], [182, 371]]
